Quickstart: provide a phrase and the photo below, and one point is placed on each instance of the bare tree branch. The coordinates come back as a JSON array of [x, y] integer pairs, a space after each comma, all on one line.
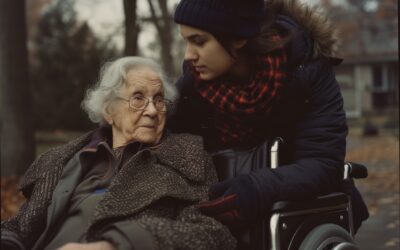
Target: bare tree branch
[[154, 17], [164, 28]]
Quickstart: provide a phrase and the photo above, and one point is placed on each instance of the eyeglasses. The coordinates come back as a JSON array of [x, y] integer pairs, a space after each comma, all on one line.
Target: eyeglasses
[[141, 102]]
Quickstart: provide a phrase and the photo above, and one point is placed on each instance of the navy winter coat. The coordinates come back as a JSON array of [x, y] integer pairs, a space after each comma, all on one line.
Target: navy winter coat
[[309, 117]]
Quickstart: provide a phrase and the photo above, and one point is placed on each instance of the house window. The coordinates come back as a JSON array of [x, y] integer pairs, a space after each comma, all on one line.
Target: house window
[[380, 83], [382, 93]]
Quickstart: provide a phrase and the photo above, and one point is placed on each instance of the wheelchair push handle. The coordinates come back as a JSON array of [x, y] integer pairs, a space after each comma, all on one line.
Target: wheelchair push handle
[[274, 157], [351, 169], [355, 170]]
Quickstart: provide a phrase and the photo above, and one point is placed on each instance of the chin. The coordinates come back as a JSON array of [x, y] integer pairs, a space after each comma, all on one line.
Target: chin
[[150, 140], [208, 76], [205, 77]]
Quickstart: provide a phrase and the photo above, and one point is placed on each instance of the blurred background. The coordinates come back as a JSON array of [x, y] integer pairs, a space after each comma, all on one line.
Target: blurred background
[[52, 50]]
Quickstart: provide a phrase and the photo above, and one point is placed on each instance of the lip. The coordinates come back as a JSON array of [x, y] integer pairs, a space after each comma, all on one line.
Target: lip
[[200, 68]]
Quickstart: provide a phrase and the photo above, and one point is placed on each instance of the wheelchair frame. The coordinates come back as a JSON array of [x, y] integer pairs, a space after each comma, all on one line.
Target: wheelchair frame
[[291, 222]]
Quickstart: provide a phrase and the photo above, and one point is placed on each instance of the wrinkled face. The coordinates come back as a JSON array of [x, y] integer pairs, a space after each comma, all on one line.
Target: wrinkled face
[[207, 55], [129, 125]]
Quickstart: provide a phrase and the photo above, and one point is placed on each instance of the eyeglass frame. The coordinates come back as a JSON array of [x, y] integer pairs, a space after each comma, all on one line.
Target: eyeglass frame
[[148, 100]]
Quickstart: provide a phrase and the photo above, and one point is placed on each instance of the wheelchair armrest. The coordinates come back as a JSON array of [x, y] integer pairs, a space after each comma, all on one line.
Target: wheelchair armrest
[[331, 200]]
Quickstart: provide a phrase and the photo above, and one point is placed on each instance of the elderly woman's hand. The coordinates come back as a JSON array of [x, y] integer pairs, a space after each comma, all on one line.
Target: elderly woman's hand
[[99, 245]]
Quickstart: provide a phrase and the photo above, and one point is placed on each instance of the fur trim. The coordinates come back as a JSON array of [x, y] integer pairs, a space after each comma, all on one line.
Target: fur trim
[[314, 22]]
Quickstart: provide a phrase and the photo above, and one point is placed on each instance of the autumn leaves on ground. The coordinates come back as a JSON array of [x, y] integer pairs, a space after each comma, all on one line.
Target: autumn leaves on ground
[[11, 199], [380, 190]]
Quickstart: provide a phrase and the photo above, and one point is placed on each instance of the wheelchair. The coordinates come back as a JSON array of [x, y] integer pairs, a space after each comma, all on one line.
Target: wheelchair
[[324, 223]]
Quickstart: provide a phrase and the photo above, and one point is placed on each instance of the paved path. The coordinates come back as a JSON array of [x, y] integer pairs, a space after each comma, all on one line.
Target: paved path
[[380, 190]]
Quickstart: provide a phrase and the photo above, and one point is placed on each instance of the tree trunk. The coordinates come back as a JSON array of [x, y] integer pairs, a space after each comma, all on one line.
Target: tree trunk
[[16, 132], [163, 26], [132, 29], [167, 39]]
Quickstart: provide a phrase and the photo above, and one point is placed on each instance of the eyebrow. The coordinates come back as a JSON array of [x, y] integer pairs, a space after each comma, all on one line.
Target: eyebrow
[[142, 90], [194, 36]]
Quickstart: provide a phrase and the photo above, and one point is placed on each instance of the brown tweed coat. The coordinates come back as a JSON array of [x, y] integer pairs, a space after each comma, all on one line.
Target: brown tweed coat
[[155, 189]]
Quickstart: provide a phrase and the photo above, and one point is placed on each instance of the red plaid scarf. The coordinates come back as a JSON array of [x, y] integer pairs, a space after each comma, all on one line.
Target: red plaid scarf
[[239, 107]]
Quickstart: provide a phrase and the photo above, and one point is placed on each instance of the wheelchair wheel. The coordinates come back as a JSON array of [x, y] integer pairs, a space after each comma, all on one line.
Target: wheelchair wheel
[[328, 237]]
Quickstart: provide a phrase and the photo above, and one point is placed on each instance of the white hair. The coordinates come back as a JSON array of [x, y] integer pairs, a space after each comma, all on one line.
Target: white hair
[[112, 77]]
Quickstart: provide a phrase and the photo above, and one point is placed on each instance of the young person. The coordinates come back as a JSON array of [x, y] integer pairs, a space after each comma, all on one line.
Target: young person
[[254, 71]]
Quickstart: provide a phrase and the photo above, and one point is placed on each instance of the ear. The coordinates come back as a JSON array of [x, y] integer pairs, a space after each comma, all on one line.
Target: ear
[[107, 116], [109, 119], [238, 44]]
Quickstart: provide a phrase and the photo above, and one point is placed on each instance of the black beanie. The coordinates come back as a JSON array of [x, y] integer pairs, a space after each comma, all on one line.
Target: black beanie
[[239, 18]]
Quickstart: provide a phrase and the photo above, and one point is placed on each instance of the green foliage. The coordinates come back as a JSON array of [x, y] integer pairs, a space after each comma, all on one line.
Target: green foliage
[[68, 57]]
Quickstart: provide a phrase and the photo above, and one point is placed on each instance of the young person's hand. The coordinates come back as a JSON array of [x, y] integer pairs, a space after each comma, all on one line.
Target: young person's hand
[[234, 202]]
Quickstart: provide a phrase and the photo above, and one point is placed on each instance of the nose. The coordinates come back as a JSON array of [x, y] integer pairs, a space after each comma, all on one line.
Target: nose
[[190, 53], [150, 110]]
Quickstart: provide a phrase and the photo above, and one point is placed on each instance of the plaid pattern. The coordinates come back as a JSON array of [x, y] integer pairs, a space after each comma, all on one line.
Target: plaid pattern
[[238, 106]]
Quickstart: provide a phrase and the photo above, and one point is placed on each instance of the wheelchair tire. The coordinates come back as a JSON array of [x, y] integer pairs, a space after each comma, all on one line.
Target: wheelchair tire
[[328, 237]]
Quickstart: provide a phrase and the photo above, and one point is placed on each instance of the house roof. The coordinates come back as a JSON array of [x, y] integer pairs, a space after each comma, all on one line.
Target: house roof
[[367, 36]]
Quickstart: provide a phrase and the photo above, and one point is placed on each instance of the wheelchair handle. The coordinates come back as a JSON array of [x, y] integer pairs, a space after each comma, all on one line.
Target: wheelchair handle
[[351, 169], [355, 170], [274, 152]]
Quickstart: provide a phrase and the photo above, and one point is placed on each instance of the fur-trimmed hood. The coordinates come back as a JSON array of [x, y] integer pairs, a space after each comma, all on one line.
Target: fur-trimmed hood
[[308, 26]]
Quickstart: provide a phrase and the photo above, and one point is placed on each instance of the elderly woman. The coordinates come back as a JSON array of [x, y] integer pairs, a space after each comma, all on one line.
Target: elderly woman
[[126, 185]]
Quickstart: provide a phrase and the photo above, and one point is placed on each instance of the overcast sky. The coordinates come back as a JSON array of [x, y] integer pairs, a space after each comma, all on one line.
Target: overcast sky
[[105, 16]]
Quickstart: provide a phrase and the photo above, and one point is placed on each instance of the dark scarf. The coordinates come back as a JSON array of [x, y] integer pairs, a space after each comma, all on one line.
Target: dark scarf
[[240, 106]]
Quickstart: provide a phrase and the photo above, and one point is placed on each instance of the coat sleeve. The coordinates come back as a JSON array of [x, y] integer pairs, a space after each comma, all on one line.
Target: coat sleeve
[[10, 232], [319, 145], [189, 229], [30, 220], [37, 186]]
